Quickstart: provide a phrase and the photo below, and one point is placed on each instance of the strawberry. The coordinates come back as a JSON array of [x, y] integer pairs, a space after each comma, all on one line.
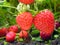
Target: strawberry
[[57, 24], [3, 31], [10, 37], [23, 34], [26, 1], [44, 20], [45, 35], [13, 28], [24, 20]]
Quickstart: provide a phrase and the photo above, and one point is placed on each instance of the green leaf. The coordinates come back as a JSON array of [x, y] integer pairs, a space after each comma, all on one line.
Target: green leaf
[[34, 32], [5, 43], [38, 39]]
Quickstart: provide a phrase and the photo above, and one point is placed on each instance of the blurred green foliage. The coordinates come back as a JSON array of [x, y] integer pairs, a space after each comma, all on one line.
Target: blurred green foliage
[[8, 12]]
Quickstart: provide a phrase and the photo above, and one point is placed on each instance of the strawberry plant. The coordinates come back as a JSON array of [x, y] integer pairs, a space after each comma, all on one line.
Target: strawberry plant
[[34, 22]]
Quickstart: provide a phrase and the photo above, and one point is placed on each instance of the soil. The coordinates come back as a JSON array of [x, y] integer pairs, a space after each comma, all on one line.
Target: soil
[[53, 42]]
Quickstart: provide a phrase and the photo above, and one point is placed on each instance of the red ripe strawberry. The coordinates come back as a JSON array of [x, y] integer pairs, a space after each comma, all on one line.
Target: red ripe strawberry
[[26, 1], [45, 35], [44, 20], [57, 24], [24, 20], [10, 37], [13, 28], [23, 34], [3, 31]]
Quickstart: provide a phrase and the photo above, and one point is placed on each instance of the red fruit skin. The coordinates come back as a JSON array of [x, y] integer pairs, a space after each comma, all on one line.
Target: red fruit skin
[[13, 28], [10, 37], [26, 1], [57, 24], [25, 20], [45, 35], [44, 20], [3, 32], [23, 34]]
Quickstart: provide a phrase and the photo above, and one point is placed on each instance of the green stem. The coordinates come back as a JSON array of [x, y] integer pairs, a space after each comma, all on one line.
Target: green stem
[[2, 37], [35, 6], [55, 6], [17, 34], [8, 6], [50, 4]]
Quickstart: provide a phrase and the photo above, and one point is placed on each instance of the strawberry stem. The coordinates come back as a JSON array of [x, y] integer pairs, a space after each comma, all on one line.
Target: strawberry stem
[[2, 37], [35, 6]]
